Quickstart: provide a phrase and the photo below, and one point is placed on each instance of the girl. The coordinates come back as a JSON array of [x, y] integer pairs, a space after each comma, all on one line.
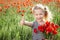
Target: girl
[[41, 14]]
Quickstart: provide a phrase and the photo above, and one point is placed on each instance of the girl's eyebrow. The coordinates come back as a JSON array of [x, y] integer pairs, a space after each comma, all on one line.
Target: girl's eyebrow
[[40, 13]]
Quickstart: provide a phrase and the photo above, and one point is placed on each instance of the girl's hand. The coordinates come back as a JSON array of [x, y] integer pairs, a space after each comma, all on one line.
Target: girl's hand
[[22, 21]]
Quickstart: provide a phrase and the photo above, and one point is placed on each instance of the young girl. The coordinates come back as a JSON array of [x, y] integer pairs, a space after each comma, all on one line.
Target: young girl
[[41, 14]]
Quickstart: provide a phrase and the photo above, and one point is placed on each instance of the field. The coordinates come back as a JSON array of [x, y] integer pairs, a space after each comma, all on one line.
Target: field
[[10, 16]]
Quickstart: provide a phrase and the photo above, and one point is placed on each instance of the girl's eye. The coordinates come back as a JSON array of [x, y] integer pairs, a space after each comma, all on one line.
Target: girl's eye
[[36, 14], [40, 14]]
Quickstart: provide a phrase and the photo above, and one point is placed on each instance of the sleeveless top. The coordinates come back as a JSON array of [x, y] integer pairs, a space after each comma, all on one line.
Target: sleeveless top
[[39, 35]]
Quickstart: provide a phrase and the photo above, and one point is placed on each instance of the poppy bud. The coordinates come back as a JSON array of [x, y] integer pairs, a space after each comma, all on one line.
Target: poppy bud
[[35, 30], [22, 14]]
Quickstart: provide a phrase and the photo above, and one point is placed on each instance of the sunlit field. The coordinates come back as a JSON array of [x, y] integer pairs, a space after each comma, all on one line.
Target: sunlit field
[[11, 12]]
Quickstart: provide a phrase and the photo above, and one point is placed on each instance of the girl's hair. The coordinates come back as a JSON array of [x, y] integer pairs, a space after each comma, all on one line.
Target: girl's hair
[[48, 15]]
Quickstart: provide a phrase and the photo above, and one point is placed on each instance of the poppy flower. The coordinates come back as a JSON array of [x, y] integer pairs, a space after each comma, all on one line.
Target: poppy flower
[[54, 32], [19, 3], [28, 0], [36, 0], [13, 4], [35, 30], [52, 24], [46, 1], [31, 4], [56, 26], [23, 11], [40, 28], [18, 10], [49, 0], [6, 6], [18, 6], [0, 8], [22, 14], [45, 26], [24, 4], [47, 23], [49, 29]]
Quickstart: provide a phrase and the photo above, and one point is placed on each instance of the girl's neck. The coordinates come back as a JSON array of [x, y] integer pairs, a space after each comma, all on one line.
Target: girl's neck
[[41, 20]]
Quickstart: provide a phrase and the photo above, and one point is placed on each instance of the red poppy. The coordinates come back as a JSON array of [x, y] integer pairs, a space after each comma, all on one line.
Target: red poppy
[[6, 6], [24, 4], [22, 14], [13, 4], [23, 11], [45, 26], [0, 9], [40, 28], [46, 1], [19, 3], [35, 30], [47, 23], [50, 29], [18, 10], [56, 26], [52, 24], [49, 0], [36, 0], [18, 6], [54, 32]]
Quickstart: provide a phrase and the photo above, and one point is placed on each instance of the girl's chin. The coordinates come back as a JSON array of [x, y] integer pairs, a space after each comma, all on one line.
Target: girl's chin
[[39, 18]]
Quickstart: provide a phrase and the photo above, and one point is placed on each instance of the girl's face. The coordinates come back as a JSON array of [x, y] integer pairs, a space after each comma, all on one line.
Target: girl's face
[[38, 14]]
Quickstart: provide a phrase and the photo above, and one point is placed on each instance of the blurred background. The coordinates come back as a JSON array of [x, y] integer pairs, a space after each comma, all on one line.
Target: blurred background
[[11, 12]]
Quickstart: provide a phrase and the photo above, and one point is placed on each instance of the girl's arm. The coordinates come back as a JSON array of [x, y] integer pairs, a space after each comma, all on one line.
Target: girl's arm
[[28, 23], [23, 22]]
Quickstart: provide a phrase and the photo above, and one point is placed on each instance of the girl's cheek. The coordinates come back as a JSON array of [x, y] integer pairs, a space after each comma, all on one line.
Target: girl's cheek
[[35, 15]]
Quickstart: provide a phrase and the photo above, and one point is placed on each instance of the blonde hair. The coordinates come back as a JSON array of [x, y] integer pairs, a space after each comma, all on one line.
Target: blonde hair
[[48, 15]]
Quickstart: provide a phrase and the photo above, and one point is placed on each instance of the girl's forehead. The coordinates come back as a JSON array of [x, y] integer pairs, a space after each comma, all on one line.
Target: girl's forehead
[[38, 11]]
